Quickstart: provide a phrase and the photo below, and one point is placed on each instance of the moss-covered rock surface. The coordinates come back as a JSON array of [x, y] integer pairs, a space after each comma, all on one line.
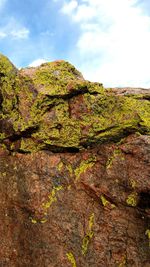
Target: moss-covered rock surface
[[53, 106]]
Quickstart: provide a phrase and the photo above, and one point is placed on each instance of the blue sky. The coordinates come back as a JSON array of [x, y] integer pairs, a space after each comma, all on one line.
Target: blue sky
[[107, 40]]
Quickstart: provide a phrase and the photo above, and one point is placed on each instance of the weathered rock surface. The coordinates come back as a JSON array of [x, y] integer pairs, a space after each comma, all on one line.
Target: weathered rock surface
[[74, 170]]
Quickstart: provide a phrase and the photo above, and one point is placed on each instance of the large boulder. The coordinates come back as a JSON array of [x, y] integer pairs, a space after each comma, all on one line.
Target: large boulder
[[74, 170]]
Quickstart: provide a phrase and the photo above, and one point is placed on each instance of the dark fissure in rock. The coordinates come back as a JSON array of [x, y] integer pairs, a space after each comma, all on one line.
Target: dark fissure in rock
[[144, 200]]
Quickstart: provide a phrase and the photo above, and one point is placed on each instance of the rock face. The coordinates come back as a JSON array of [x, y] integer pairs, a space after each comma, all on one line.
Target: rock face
[[74, 170]]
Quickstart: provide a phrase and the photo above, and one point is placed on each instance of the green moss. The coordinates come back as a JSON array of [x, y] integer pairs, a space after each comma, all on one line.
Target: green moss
[[88, 236], [132, 199], [84, 166], [71, 258]]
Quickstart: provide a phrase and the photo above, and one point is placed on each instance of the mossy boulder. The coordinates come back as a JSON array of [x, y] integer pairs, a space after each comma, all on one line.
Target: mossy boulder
[[74, 170], [53, 107]]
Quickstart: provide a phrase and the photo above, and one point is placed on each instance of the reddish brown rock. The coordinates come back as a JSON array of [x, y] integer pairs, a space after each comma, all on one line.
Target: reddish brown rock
[[74, 170]]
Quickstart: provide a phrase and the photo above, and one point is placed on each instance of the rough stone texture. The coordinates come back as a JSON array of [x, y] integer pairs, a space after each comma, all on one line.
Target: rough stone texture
[[74, 170]]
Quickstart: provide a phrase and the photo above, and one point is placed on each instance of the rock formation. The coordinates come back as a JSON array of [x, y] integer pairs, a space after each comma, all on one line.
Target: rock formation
[[74, 170]]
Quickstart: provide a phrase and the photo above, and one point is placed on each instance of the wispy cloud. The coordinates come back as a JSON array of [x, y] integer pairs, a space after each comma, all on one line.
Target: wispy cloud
[[114, 40], [27, 33], [21, 33], [13, 29]]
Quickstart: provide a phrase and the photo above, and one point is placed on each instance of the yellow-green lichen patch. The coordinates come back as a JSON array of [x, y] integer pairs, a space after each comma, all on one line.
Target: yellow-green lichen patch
[[52, 197], [87, 99], [123, 262], [29, 145], [8, 74], [34, 221], [143, 108], [39, 97], [9, 84], [2, 136], [106, 203], [132, 199], [96, 88], [44, 220], [88, 236], [71, 258], [46, 205], [84, 166], [148, 235], [69, 168], [40, 106], [62, 111], [47, 133], [69, 187], [132, 183], [116, 153], [67, 136], [70, 134], [60, 165], [126, 114], [57, 78]]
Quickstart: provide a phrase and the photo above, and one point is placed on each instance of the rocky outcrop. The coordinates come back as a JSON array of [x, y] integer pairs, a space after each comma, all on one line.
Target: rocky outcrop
[[74, 170]]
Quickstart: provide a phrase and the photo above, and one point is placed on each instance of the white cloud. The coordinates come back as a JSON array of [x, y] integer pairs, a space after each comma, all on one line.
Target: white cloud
[[14, 30], [37, 62], [69, 7], [114, 41], [21, 33]]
